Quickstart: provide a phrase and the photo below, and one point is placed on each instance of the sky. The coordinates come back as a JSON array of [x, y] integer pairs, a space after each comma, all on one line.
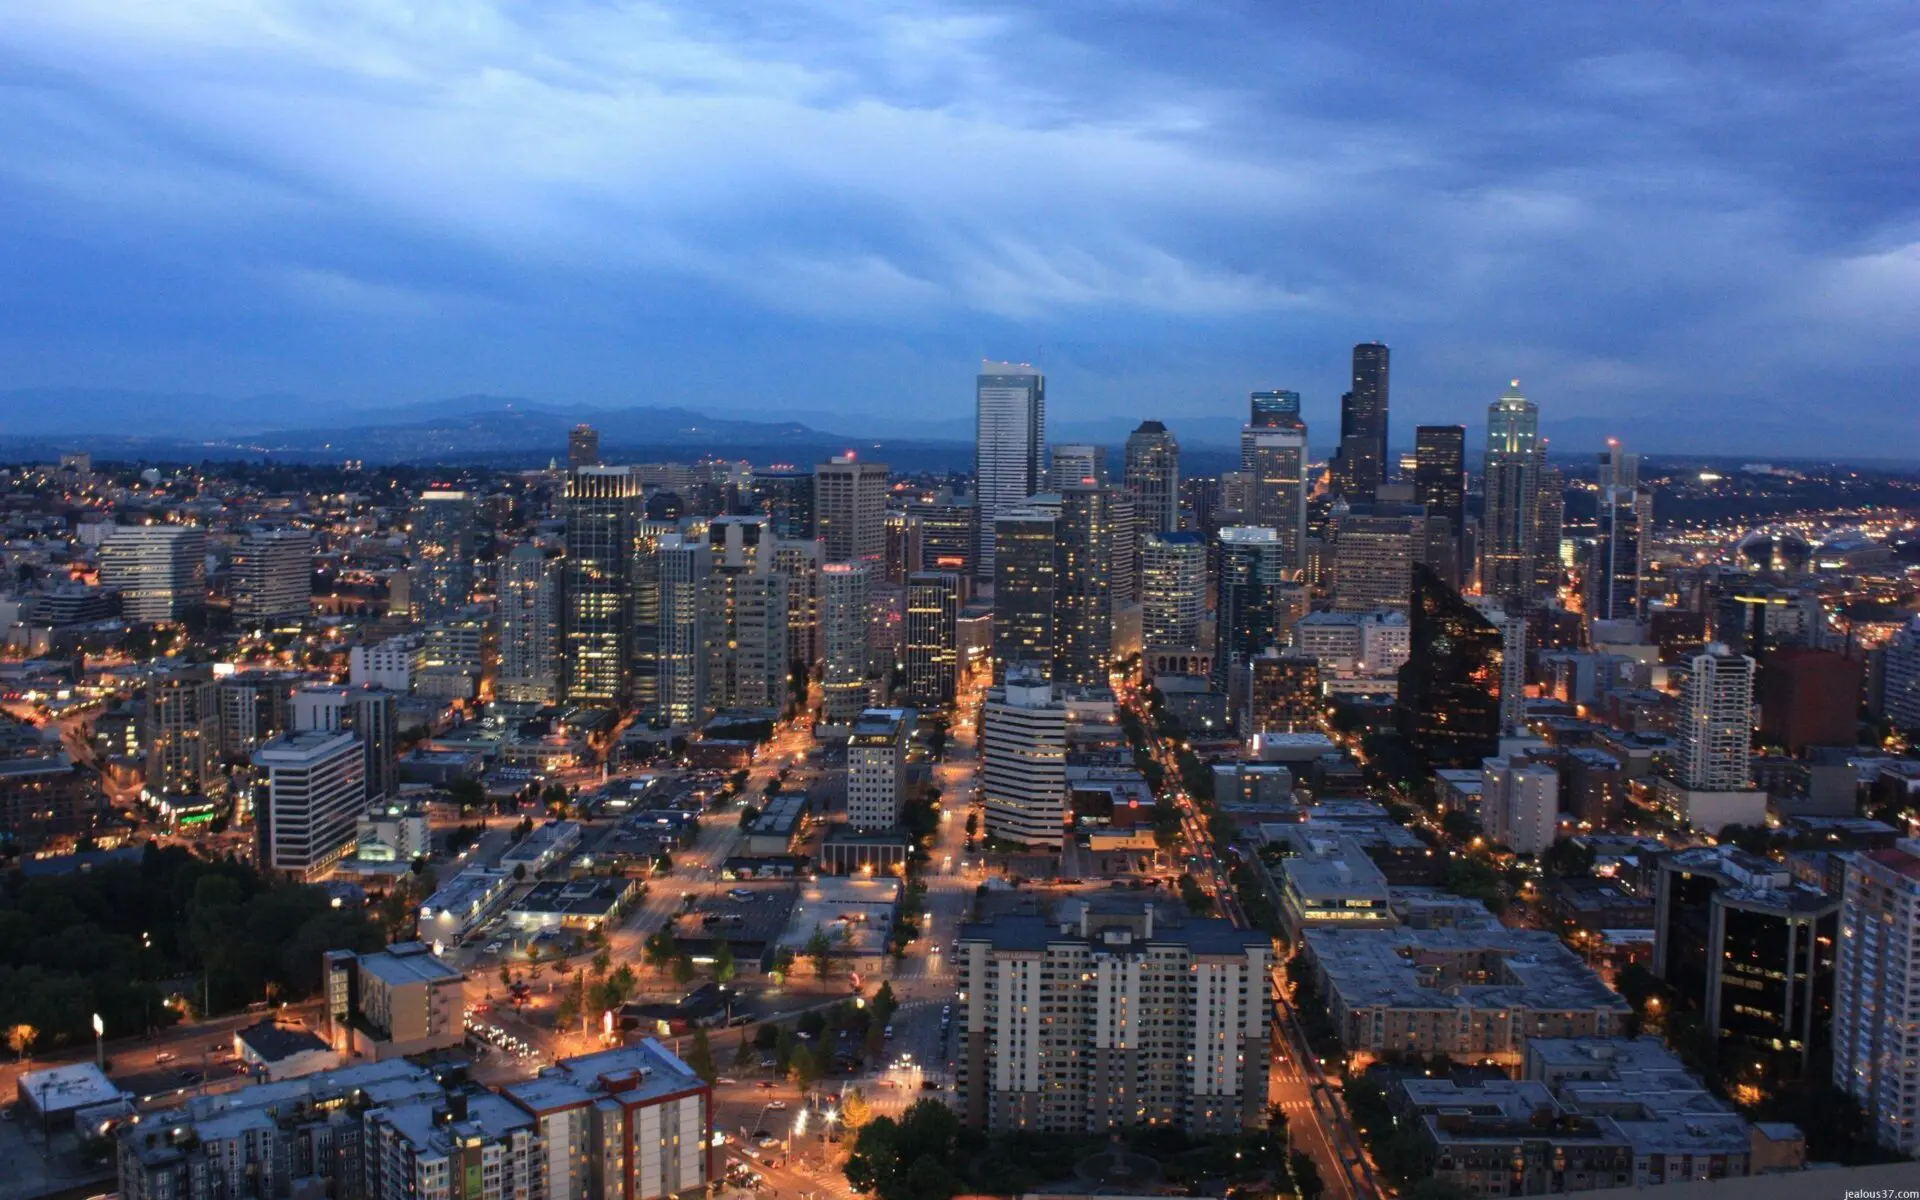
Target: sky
[[1687, 223]]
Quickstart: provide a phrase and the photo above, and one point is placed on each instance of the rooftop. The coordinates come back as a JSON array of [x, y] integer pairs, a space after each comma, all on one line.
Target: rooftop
[[630, 1074], [407, 962], [1525, 968], [273, 1042]]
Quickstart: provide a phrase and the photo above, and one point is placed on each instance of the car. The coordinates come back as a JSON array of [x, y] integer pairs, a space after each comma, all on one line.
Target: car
[[766, 1140], [888, 1035], [766, 1085], [192, 1076], [165, 1056], [766, 1064], [726, 1079], [777, 1105]]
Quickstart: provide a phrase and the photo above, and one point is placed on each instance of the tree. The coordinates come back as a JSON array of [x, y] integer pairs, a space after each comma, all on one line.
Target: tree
[[748, 816], [783, 962], [20, 1040], [854, 1110], [724, 968], [820, 950], [519, 872], [556, 799], [1306, 1176], [683, 971], [506, 976], [467, 793], [660, 949], [744, 1056], [1193, 896], [801, 1067], [700, 1056], [602, 960], [1568, 858], [883, 1005]]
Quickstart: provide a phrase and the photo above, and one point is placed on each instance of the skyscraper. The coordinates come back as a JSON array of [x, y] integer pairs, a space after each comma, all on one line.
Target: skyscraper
[[441, 537], [1023, 755], [1075, 462], [1083, 629], [1440, 484], [906, 546], [1361, 465], [1025, 589], [1716, 722], [849, 509], [843, 636], [1374, 549], [1549, 525], [583, 447], [182, 731], [1450, 685], [529, 606], [1900, 677], [311, 794], [1876, 1041], [1153, 476], [273, 575], [1254, 579], [1618, 467], [684, 564], [1010, 434], [1277, 409], [786, 496], [1513, 662], [1619, 554], [1279, 489], [604, 511], [1507, 531], [744, 618], [160, 571], [1283, 693], [933, 646], [1173, 589]]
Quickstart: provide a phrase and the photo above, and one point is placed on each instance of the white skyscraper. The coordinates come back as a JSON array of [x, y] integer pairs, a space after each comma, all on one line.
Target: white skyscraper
[[1009, 440], [1279, 470], [311, 795], [877, 766], [529, 606], [849, 508], [273, 575], [684, 564], [160, 571], [1173, 589], [1023, 749], [843, 636], [1520, 804], [1716, 724], [1876, 1004]]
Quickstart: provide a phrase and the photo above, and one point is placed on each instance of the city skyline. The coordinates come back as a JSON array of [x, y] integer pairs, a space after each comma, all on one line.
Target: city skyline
[[1576, 201]]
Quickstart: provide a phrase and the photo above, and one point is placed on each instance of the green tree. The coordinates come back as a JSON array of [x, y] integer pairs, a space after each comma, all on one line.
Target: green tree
[[883, 1005], [683, 971], [700, 1056], [660, 948], [820, 950], [724, 967]]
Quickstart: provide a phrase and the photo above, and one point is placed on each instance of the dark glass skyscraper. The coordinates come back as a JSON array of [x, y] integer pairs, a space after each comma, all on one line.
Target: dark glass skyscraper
[[1613, 569], [1450, 686], [604, 511], [1024, 589], [1508, 536], [1440, 473], [1279, 409], [1361, 466], [1254, 581]]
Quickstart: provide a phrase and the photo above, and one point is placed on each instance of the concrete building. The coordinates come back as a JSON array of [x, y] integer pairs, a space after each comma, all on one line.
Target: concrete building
[[1716, 726], [1173, 588], [371, 714], [272, 576], [877, 767], [1283, 693], [181, 731], [1010, 434], [308, 802], [1520, 803], [583, 447], [843, 635], [1374, 549], [1085, 548], [1876, 1010], [1023, 751], [391, 1003], [1333, 882], [634, 1123], [440, 541], [527, 595], [389, 664], [160, 571], [1152, 475], [1257, 597], [1105, 1018], [744, 618], [849, 509], [933, 646], [1279, 490], [604, 507]]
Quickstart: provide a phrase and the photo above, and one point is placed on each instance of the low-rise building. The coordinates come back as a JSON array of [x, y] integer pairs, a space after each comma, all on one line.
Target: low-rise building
[[546, 845], [1331, 881], [588, 903], [391, 1003], [276, 1051]]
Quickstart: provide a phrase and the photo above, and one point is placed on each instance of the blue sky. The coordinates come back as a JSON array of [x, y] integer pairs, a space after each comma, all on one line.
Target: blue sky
[[1681, 222]]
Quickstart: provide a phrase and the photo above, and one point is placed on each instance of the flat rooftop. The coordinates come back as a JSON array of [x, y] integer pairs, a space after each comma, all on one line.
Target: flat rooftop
[[407, 962], [1530, 968]]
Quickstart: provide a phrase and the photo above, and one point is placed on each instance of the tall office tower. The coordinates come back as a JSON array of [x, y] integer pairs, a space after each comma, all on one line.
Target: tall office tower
[[160, 571], [1440, 484], [1513, 662], [643, 609], [441, 537], [1279, 489], [1278, 409], [1900, 677], [1619, 467], [1084, 549], [1123, 547], [1010, 432], [800, 562], [254, 705], [1374, 549], [1154, 1022], [1283, 693], [684, 565], [744, 618], [1253, 586], [1507, 528], [1613, 577], [786, 496], [182, 731], [1716, 722], [1450, 686], [1075, 462], [850, 509], [1025, 590], [371, 714], [1173, 589], [946, 530], [1809, 698], [308, 801], [1876, 1041], [1360, 466], [906, 546], [1023, 754], [1153, 476], [604, 511], [273, 575], [843, 636], [583, 447], [1549, 525], [933, 639], [528, 598], [877, 748], [1200, 504]]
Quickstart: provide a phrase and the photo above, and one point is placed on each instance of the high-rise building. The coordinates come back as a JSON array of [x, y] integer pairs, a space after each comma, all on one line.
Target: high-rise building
[[1025, 589], [1083, 548], [311, 794], [946, 531], [1507, 530], [371, 714], [1010, 433], [273, 575], [441, 537], [182, 731], [1520, 803], [1360, 467], [1123, 547], [933, 649], [684, 565], [1899, 697], [1449, 706], [786, 496], [631, 1123], [1279, 489], [1716, 722], [1374, 549], [906, 546], [744, 618], [1549, 525], [877, 766], [254, 706], [1513, 662], [604, 512], [1616, 565], [843, 635], [1278, 409], [1283, 693], [1618, 467], [850, 508], [1075, 462], [1023, 754], [528, 598], [160, 571], [1253, 585], [1173, 589], [800, 562], [1440, 485], [1876, 1036], [583, 447], [1153, 476], [643, 608], [1112, 1017]]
